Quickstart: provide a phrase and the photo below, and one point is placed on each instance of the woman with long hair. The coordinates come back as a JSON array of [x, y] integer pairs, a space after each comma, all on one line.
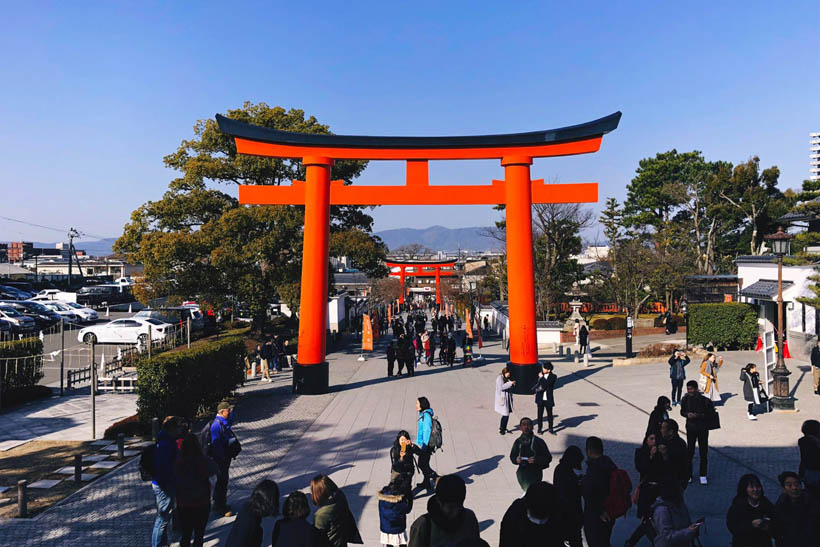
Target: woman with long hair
[[247, 528], [402, 463], [193, 488], [709, 377], [650, 466], [750, 518], [293, 528], [333, 516]]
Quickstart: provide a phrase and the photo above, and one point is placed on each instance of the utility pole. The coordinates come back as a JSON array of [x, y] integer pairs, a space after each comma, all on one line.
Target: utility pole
[[72, 233]]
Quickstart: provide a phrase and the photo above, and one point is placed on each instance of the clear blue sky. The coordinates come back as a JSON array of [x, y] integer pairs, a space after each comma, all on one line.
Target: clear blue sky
[[94, 95]]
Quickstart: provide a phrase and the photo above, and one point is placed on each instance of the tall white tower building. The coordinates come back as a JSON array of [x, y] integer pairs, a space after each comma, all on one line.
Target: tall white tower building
[[814, 156]]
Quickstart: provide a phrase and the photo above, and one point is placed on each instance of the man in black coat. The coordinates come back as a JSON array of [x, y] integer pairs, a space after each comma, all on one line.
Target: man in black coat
[[391, 358], [451, 349], [535, 519], [595, 489], [408, 355], [530, 454], [697, 410], [544, 399]]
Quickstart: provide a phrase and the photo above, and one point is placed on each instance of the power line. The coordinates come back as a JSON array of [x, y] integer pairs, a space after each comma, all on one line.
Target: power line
[[61, 230]]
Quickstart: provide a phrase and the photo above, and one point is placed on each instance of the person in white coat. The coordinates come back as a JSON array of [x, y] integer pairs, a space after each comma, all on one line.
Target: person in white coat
[[504, 398]]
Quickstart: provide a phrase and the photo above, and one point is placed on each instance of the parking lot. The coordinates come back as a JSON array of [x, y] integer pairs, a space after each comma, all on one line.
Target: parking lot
[[76, 354]]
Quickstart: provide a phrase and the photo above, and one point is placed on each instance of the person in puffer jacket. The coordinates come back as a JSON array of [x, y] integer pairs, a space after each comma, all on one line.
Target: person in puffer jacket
[[395, 502], [670, 517]]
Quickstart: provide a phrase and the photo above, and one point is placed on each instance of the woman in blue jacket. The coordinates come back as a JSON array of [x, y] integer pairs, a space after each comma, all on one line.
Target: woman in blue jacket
[[425, 428]]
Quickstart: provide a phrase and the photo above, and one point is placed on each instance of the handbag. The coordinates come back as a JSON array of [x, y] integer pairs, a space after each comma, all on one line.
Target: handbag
[[702, 383], [713, 421]]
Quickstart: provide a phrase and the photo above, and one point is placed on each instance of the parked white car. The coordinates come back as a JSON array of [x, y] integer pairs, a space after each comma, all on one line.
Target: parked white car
[[54, 294], [61, 309], [87, 315], [125, 331]]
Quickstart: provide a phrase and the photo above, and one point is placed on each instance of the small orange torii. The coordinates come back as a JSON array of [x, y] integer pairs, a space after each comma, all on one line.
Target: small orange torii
[[317, 193]]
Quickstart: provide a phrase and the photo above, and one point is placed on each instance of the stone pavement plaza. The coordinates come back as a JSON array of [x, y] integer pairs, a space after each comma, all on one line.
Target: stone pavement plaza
[[347, 434]]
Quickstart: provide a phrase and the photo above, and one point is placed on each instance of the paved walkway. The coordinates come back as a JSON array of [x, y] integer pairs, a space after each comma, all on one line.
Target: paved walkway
[[347, 432], [66, 418]]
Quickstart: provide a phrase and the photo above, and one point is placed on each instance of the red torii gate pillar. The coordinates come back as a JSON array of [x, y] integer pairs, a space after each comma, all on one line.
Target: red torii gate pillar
[[318, 192]]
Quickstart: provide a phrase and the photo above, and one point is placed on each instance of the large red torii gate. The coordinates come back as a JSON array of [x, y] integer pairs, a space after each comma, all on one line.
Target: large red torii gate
[[317, 193], [421, 268]]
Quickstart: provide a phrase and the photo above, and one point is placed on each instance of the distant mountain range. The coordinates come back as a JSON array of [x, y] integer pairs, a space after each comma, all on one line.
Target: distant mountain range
[[436, 238], [439, 238]]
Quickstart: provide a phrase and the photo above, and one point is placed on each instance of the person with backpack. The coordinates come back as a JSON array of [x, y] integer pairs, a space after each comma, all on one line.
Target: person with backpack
[[530, 453], [294, 529], [193, 490], [595, 488], [224, 446], [163, 480], [446, 522], [247, 528], [333, 516], [423, 446], [671, 524]]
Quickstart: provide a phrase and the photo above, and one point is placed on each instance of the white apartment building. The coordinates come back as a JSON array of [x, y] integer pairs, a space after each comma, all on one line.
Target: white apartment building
[[814, 156]]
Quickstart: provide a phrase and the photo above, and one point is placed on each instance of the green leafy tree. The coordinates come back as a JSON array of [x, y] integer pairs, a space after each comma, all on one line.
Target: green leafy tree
[[752, 193], [197, 241], [557, 228]]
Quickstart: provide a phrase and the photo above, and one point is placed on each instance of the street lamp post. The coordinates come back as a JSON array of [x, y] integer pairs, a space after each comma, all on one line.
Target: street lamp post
[[782, 399], [684, 309]]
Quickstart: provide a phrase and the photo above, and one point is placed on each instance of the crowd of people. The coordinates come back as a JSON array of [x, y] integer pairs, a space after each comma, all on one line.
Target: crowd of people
[[588, 492]]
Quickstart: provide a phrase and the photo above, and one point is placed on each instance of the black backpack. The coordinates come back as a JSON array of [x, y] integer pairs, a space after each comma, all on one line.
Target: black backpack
[[147, 462], [436, 435], [205, 439]]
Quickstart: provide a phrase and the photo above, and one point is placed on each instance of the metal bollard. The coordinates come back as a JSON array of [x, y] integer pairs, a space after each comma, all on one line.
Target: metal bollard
[[78, 468], [155, 428], [586, 360], [120, 446], [22, 501], [575, 357]]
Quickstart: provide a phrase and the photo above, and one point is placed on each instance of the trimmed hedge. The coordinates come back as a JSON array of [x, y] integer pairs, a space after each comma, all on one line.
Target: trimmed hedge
[[617, 322], [183, 382], [730, 325], [20, 374]]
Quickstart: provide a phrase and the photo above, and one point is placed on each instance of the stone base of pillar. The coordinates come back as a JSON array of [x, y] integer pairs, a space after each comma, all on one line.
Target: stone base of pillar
[[783, 403], [525, 377], [311, 379]]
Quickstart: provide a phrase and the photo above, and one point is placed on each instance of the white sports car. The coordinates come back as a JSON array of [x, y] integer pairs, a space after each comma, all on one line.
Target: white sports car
[[125, 331]]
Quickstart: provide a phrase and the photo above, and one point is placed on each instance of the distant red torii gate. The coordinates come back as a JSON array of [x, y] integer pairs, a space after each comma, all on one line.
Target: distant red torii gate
[[317, 193], [422, 268]]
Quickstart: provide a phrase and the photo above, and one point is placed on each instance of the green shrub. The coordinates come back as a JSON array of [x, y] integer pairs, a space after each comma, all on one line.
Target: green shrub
[[600, 324], [729, 325], [183, 382], [617, 323], [16, 372]]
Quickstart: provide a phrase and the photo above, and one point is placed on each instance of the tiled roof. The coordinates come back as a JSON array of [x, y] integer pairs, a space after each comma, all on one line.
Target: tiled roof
[[765, 289]]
